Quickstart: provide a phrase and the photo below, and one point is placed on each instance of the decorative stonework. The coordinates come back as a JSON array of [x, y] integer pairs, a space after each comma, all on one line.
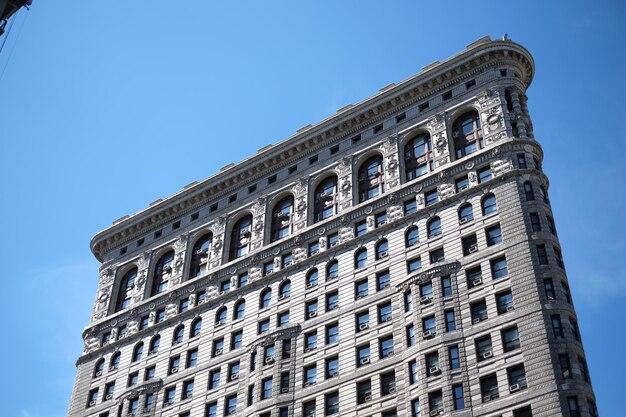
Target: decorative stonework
[[344, 173]]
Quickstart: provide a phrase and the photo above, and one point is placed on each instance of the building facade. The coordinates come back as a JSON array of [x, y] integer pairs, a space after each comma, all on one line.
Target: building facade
[[397, 259]]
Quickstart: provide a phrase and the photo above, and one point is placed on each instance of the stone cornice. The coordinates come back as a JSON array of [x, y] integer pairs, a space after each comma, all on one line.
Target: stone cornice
[[431, 80]]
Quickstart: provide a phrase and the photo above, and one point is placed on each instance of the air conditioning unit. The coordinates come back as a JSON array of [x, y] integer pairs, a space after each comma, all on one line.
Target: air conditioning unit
[[435, 370], [175, 342], [325, 195], [167, 269], [382, 223], [514, 388], [269, 360], [270, 272], [308, 349], [112, 368], [473, 248], [314, 252], [311, 285], [245, 234], [174, 369], [476, 320], [335, 307], [218, 352], [312, 313], [219, 323], [108, 396], [333, 374], [335, 243], [436, 412], [284, 390], [426, 299], [367, 398], [510, 307], [99, 373], [92, 403], [282, 297], [477, 281], [152, 352], [392, 390], [389, 318], [488, 354], [147, 409], [390, 353], [385, 285], [365, 361], [428, 334], [364, 326], [234, 377]]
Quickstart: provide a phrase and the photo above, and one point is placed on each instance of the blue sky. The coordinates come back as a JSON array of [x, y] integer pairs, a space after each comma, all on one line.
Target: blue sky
[[107, 106]]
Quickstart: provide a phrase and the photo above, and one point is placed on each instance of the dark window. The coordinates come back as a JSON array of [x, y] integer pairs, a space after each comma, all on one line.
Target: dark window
[[446, 286], [474, 276], [523, 412], [461, 184], [446, 96], [158, 234], [308, 408], [408, 301], [363, 391], [431, 197], [551, 226], [332, 403], [360, 289], [548, 286], [292, 169], [521, 161], [230, 405], [489, 388], [331, 367], [314, 248], [385, 346], [382, 249], [387, 383], [378, 129], [410, 206], [483, 348], [479, 311], [494, 235], [383, 280], [282, 216], [434, 227], [412, 236], [310, 341], [333, 240], [267, 388], [557, 327], [176, 225], [212, 208], [470, 244], [92, 398], [356, 139], [385, 312], [410, 335], [272, 179], [334, 150], [400, 117], [240, 237], [489, 204], [484, 174], [504, 301], [332, 333], [360, 228], [418, 157], [517, 377], [162, 273], [170, 396], [572, 405], [450, 321], [435, 401], [542, 255], [423, 106], [371, 178], [467, 134], [325, 199], [413, 378], [510, 339], [459, 401], [565, 292], [499, 268], [360, 258], [363, 355], [125, 293], [528, 191], [192, 358], [437, 255], [471, 83], [187, 390], [558, 257], [453, 357], [313, 159], [466, 213], [566, 368], [535, 224]]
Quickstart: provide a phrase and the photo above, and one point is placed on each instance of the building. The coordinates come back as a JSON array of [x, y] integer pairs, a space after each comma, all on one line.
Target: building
[[397, 259]]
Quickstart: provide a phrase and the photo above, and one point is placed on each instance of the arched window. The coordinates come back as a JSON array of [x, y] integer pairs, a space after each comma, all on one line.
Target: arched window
[[99, 368], [466, 214], [282, 216], [162, 273], [412, 236], [266, 298], [418, 156], [371, 178], [115, 361], [325, 199], [311, 278], [467, 134], [200, 256], [528, 190], [240, 237], [220, 316], [382, 249], [284, 291], [137, 352], [332, 270], [360, 258], [544, 194], [179, 334], [125, 293], [489, 204], [154, 345], [434, 227], [240, 309], [196, 327]]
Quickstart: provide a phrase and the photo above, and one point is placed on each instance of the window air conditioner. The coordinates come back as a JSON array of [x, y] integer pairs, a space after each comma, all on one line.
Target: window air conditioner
[[473, 248], [234, 377], [390, 353], [389, 318], [488, 354], [218, 352], [509, 307], [436, 412], [310, 285], [426, 299], [365, 361], [434, 370], [108, 396], [269, 360], [312, 313], [392, 390], [383, 254], [174, 369], [364, 326], [99, 373], [477, 281], [514, 388], [428, 334], [284, 390], [463, 220], [92, 403], [367, 398]]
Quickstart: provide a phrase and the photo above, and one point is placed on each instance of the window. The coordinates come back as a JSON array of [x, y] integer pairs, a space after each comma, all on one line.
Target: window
[[413, 372], [450, 322], [466, 213], [457, 393], [362, 320], [557, 327], [408, 301], [474, 276], [360, 289], [225, 286], [148, 403], [282, 319], [200, 255], [133, 379], [236, 340], [548, 286], [382, 249], [484, 174], [92, 398], [264, 326], [332, 333], [159, 233], [471, 83], [383, 280], [517, 377], [380, 219], [499, 268], [434, 227], [418, 156], [325, 199], [252, 361], [453, 357], [411, 236], [332, 270], [384, 312], [489, 388], [528, 191], [230, 404], [544, 195], [282, 215], [437, 255], [286, 349], [360, 258], [489, 204], [314, 248], [310, 341], [387, 383], [192, 358], [431, 197], [363, 355], [371, 178], [429, 326], [196, 327], [565, 292], [410, 206], [162, 273], [558, 257], [220, 316], [115, 361], [413, 265], [446, 286], [377, 129], [268, 268], [332, 367], [535, 224], [311, 278], [523, 412], [467, 134], [470, 244], [483, 348], [308, 408], [265, 299], [461, 184], [310, 375], [415, 408], [566, 368], [542, 255], [432, 363], [360, 228], [125, 293], [572, 405], [311, 309], [504, 301], [218, 346], [551, 226], [240, 237], [242, 280], [287, 260], [284, 382], [332, 301], [170, 396], [510, 339], [574, 329], [364, 391], [423, 106], [149, 373], [187, 389], [174, 365], [494, 235], [267, 389], [240, 309], [435, 401], [385, 346], [313, 159], [109, 389], [410, 335], [137, 352], [214, 379], [143, 322], [479, 311], [593, 410], [426, 292]]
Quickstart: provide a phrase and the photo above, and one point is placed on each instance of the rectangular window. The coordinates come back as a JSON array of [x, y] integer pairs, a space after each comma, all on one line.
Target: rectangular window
[[437, 256], [214, 379], [410, 206], [334, 150], [483, 348], [474, 277], [286, 349], [380, 219], [383, 280], [133, 379], [360, 289], [446, 96], [192, 358], [310, 375], [250, 395], [423, 106], [566, 368], [413, 378], [174, 365], [364, 391], [408, 301], [470, 244], [499, 268], [387, 383], [230, 405], [377, 129], [385, 312], [479, 311], [356, 139], [461, 184], [211, 410], [432, 364], [282, 319], [517, 378], [272, 179], [494, 235], [236, 340], [489, 388], [170, 396], [310, 341], [429, 326], [504, 301], [521, 161], [410, 335], [360, 228], [558, 257], [510, 339], [557, 327], [413, 265], [548, 286], [459, 401], [542, 254], [313, 159], [332, 367], [187, 389], [332, 300], [267, 389], [551, 226], [311, 309], [314, 248], [572, 405], [332, 333], [446, 286], [332, 403], [435, 401], [453, 357], [400, 117], [484, 174], [149, 374], [450, 323], [535, 224], [431, 197], [333, 240], [363, 355], [385, 346], [284, 382]]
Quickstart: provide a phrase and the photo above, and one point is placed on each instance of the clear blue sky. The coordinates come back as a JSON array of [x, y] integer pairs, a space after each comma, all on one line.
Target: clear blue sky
[[107, 106]]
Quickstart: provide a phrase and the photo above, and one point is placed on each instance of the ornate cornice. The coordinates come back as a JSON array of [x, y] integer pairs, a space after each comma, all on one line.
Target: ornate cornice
[[431, 80]]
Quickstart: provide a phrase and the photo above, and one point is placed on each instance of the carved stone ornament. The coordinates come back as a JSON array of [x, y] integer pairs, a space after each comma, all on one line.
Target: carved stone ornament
[[181, 242], [144, 260], [344, 166], [496, 152], [440, 142], [369, 210], [393, 198], [300, 185], [469, 165], [217, 245], [418, 188], [301, 207], [436, 122], [389, 143], [171, 297], [392, 165], [346, 187], [178, 263], [254, 260], [299, 240], [344, 220], [443, 175], [258, 226], [132, 313], [106, 276]]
